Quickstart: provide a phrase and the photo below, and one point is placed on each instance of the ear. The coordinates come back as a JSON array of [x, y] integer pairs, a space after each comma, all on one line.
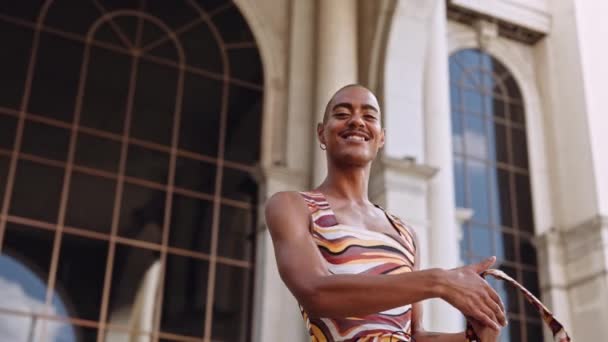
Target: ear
[[320, 131], [382, 135]]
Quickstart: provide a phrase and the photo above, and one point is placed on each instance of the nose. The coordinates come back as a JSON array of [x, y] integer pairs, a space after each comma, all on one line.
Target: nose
[[356, 120]]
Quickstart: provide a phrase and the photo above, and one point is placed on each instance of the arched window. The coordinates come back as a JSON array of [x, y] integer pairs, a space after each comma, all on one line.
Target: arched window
[[129, 135], [492, 178]]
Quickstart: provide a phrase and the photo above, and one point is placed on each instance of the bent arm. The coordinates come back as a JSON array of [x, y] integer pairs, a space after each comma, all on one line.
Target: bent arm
[[305, 273]]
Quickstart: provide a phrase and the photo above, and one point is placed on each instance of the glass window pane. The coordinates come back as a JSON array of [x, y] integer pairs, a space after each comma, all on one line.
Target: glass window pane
[[511, 294], [199, 127], [191, 221], [239, 185], [465, 245], [81, 272], [55, 82], [500, 147], [236, 227], [141, 213], [477, 176], [176, 14], [530, 281], [498, 108], [501, 200], [135, 278], [244, 125], [185, 296], [195, 175], [232, 26], [513, 332], [245, 64], [520, 147], [534, 332], [27, 10], [516, 112], [24, 267], [455, 74], [481, 241], [97, 153], [525, 219], [468, 58], [231, 299], [106, 90], [72, 16], [147, 164], [475, 141], [8, 127], [527, 251], [457, 134], [37, 191], [4, 165], [14, 62], [473, 101], [45, 141], [91, 212], [201, 49], [512, 88], [459, 183], [155, 103], [505, 246], [455, 98]]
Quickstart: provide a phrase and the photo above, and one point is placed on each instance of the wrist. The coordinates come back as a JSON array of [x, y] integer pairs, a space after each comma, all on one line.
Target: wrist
[[438, 286]]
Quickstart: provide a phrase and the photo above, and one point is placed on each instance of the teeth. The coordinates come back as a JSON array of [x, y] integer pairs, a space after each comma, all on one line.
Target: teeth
[[355, 137]]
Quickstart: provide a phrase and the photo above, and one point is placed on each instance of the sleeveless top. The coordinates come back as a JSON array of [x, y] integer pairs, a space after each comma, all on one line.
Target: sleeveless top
[[354, 250]]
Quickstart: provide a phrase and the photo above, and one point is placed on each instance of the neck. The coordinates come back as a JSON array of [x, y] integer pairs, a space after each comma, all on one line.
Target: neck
[[348, 182]]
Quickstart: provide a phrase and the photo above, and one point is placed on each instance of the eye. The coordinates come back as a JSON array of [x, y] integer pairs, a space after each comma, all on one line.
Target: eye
[[341, 115], [370, 117]]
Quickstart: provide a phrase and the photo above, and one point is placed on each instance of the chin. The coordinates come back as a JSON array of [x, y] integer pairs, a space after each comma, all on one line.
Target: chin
[[355, 159]]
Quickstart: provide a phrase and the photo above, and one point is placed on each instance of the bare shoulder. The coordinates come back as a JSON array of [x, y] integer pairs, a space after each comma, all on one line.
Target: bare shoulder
[[285, 212]]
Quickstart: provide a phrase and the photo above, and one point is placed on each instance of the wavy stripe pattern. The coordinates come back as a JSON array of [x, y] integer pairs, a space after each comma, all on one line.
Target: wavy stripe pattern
[[353, 250]]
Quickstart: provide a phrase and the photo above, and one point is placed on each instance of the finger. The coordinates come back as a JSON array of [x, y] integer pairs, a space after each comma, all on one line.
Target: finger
[[495, 297], [488, 310], [481, 317], [497, 311], [484, 264]]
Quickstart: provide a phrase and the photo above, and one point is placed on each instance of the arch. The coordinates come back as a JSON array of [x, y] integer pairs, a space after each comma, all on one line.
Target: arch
[[519, 60]]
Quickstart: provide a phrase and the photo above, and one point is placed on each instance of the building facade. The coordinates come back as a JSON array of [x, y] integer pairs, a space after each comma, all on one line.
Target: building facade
[[140, 139]]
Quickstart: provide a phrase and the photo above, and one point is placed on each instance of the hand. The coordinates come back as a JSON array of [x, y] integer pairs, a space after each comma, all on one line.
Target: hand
[[484, 333], [468, 292]]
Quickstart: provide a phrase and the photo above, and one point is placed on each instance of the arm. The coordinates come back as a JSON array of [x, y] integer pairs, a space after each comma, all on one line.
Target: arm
[[421, 335], [303, 270]]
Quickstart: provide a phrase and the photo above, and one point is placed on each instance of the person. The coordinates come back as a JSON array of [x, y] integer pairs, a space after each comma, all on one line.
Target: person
[[355, 268]]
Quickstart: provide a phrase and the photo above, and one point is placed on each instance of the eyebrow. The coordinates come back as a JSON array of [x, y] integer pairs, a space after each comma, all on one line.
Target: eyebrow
[[350, 106]]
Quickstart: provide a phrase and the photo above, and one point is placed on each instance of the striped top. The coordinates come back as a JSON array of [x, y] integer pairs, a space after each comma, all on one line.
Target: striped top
[[354, 250]]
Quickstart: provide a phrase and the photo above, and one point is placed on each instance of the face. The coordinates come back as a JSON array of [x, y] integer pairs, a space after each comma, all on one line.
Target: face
[[352, 130]]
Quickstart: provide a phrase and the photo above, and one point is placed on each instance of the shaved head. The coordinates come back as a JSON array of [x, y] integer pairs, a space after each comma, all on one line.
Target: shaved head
[[331, 100]]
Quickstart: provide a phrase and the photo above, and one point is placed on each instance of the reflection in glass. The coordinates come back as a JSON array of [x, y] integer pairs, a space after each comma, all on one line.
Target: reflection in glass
[[45, 141], [472, 101], [185, 296], [481, 240], [478, 190], [236, 238], [141, 213], [191, 221], [459, 182], [87, 211], [135, 282], [37, 191], [82, 264], [475, 141], [231, 304]]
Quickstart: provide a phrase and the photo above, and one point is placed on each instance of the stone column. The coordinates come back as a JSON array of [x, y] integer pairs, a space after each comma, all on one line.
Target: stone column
[[443, 233], [336, 61]]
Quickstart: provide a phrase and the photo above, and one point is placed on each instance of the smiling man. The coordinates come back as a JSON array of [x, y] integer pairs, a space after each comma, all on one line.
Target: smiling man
[[352, 266]]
